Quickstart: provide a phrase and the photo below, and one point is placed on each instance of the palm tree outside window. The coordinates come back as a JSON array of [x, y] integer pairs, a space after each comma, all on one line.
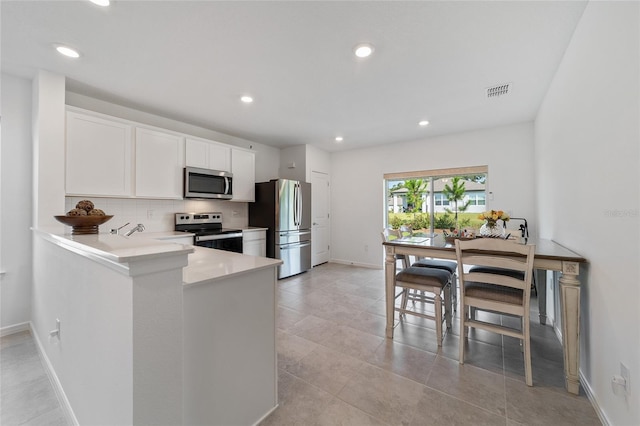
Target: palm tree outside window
[[432, 201]]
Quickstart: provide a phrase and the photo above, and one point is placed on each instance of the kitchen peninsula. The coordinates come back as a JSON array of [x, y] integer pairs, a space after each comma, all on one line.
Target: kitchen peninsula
[[156, 332]]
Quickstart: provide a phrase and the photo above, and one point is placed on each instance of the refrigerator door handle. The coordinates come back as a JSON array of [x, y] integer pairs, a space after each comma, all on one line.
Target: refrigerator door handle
[[296, 202], [299, 206], [295, 245]]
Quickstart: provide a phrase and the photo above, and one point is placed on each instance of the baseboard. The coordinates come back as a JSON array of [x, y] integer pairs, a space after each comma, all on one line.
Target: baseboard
[[350, 263], [592, 398], [15, 328], [55, 383], [266, 415]]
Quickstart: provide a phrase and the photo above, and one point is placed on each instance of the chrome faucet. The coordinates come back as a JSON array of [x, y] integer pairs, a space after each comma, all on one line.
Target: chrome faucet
[[117, 230], [139, 227]]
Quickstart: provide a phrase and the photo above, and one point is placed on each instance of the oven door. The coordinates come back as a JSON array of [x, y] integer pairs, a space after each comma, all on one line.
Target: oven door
[[228, 242]]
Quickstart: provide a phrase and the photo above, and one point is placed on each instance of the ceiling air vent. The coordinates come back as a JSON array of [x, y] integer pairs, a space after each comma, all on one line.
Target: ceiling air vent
[[499, 90]]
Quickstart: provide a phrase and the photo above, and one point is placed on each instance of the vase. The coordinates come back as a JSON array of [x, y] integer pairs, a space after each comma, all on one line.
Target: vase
[[491, 230]]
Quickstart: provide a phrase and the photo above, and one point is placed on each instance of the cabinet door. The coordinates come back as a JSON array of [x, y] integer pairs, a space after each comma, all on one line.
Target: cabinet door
[[159, 164], [98, 156], [254, 243], [219, 157], [207, 154], [196, 153], [244, 174]]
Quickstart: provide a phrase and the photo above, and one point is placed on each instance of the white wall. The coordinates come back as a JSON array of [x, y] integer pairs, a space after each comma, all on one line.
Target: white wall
[[293, 163], [15, 201], [587, 177], [298, 162], [48, 124], [358, 195], [317, 160]]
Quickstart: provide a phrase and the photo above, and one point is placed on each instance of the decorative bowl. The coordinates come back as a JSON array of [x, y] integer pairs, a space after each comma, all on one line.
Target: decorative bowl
[[81, 225]]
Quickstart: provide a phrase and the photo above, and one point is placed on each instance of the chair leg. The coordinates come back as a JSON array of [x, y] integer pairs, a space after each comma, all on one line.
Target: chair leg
[[437, 301], [447, 306], [528, 374], [454, 292], [405, 296], [463, 317]]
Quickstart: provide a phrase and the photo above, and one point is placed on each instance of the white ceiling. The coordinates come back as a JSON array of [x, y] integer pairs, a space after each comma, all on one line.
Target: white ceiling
[[192, 60]]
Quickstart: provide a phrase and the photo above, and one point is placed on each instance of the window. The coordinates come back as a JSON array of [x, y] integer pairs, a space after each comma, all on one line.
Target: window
[[433, 200], [441, 200], [476, 198]]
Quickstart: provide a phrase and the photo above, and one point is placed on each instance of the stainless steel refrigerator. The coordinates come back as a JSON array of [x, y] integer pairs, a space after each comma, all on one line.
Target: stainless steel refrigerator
[[284, 207]]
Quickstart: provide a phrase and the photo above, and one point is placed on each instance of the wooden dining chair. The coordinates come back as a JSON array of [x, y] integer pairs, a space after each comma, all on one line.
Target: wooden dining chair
[[431, 280], [406, 230], [505, 293], [389, 234]]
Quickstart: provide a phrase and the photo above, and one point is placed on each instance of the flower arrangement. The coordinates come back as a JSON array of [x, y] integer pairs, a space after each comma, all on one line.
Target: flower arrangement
[[492, 217]]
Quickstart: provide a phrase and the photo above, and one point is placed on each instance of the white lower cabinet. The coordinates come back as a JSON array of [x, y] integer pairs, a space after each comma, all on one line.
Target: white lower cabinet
[[254, 242], [159, 164]]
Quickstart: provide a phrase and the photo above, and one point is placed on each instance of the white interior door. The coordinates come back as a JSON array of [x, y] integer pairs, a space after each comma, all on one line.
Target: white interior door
[[321, 220]]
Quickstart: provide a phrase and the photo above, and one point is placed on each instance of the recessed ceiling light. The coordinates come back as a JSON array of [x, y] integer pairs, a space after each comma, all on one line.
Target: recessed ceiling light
[[246, 99], [423, 123], [103, 3], [67, 51], [363, 50], [339, 138]]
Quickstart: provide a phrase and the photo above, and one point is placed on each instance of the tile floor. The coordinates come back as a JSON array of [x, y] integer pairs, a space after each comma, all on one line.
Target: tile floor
[[26, 394], [337, 368]]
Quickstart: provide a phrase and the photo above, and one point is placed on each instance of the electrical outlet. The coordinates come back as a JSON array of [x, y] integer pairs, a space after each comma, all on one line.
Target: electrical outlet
[[150, 214], [366, 248], [624, 372]]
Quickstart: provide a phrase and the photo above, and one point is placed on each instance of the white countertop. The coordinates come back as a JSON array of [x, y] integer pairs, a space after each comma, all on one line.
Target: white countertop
[[161, 235], [117, 248], [204, 265], [254, 228], [207, 264]]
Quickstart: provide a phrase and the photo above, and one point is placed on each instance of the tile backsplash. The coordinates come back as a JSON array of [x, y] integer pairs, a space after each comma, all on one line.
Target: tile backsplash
[[158, 215]]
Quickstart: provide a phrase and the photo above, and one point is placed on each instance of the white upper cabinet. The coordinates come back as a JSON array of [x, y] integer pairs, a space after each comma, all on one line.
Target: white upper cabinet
[[112, 157], [159, 164], [98, 156], [207, 154], [243, 167]]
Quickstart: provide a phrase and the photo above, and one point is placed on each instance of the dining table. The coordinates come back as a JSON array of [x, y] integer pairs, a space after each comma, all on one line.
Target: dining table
[[549, 256]]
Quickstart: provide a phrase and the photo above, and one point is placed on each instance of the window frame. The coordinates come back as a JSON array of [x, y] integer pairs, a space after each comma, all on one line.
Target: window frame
[[430, 176]]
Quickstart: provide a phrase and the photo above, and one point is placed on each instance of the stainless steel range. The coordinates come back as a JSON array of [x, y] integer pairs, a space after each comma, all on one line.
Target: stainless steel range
[[209, 232]]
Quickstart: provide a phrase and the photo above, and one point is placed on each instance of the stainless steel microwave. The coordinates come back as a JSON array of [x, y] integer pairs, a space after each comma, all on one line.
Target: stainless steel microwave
[[205, 183]]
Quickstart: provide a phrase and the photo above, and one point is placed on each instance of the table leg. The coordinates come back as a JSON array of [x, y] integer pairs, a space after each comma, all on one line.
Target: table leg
[[389, 278], [541, 286], [570, 303]]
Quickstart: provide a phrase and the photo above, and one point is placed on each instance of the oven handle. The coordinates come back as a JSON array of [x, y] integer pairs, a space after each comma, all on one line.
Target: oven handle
[[218, 237]]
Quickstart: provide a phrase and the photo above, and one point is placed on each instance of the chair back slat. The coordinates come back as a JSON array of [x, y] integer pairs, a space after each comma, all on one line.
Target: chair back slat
[[389, 234], [484, 252], [495, 261], [502, 280]]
